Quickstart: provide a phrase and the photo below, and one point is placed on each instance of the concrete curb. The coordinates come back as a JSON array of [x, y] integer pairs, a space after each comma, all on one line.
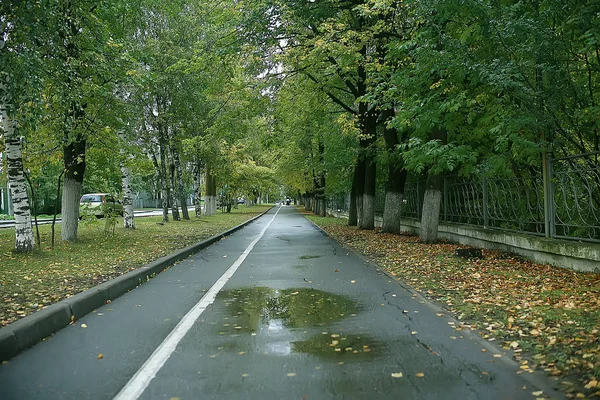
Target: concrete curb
[[32, 329]]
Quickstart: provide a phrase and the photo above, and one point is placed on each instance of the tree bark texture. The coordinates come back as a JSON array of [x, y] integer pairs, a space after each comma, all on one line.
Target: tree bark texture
[[24, 238], [210, 200], [430, 217], [432, 199], [197, 172], [128, 214], [174, 200], [394, 190], [369, 131], [180, 194], [165, 190], [74, 160], [352, 209]]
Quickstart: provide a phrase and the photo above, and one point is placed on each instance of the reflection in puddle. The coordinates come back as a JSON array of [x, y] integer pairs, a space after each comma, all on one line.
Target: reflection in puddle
[[339, 347], [252, 308], [280, 320]]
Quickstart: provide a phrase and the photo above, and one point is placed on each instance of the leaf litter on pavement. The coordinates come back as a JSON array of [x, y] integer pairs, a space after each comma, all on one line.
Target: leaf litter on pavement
[[548, 317]]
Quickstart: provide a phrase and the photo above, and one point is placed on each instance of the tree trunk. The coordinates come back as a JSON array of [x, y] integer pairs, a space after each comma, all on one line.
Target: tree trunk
[[369, 130], [210, 200], [368, 219], [197, 172], [128, 215], [24, 239], [432, 200], [431, 209], [74, 159], [165, 190], [352, 210], [180, 193], [394, 197], [174, 198], [394, 191]]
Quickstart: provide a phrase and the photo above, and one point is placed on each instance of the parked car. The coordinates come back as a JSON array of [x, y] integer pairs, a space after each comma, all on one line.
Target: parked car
[[98, 204]]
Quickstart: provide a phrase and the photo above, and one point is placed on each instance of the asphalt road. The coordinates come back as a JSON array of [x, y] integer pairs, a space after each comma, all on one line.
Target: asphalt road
[[296, 316]]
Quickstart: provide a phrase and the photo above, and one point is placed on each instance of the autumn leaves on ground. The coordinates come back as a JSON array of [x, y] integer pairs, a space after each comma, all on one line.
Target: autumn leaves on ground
[[549, 316]]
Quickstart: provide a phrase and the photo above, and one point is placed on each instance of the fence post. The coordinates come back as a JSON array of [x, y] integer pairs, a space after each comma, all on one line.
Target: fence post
[[486, 210], [419, 203], [549, 224], [445, 199]]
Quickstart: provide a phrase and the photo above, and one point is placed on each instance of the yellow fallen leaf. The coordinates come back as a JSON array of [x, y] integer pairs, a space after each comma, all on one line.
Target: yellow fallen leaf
[[592, 384], [83, 325], [397, 375], [413, 332], [538, 393], [245, 375], [352, 281], [497, 355], [291, 374], [100, 356], [420, 375]]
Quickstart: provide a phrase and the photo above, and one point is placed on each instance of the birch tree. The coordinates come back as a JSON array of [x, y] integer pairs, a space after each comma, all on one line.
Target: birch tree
[[19, 84]]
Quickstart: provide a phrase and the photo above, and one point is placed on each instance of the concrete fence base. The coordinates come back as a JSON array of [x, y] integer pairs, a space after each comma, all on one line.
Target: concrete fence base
[[578, 256]]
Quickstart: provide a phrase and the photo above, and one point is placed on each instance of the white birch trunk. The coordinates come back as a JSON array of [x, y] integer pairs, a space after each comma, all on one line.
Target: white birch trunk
[[24, 238], [197, 191], [128, 214], [70, 209]]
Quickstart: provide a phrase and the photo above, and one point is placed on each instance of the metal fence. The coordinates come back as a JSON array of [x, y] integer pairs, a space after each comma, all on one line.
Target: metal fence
[[518, 202]]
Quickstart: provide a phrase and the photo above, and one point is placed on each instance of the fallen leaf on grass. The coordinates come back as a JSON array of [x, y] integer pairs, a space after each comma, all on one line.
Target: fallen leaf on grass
[[100, 356], [291, 374], [83, 325], [397, 375], [420, 375]]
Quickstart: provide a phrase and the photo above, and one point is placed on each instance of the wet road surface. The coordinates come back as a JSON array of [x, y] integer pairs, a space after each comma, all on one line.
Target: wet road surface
[[299, 318]]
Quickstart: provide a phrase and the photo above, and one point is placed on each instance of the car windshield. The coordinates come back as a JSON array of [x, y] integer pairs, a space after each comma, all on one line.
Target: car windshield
[[90, 198]]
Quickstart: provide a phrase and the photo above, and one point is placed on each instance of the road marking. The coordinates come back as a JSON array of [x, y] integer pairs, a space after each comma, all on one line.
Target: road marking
[[140, 381]]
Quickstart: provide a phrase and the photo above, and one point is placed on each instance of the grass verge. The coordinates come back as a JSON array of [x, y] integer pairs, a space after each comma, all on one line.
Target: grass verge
[[29, 282], [549, 316]]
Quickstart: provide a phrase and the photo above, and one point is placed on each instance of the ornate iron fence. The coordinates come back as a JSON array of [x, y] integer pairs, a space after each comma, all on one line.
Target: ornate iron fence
[[518, 203], [571, 210]]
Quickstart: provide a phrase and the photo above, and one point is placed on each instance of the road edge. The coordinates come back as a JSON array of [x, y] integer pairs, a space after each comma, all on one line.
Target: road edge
[[34, 328]]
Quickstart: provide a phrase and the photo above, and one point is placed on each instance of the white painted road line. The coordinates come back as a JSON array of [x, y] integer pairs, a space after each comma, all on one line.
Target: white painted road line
[[142, 378]]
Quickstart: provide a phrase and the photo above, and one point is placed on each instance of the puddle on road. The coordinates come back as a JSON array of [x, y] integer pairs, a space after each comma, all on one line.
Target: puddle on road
[[282, 319], [340, 347], [249, 308]]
